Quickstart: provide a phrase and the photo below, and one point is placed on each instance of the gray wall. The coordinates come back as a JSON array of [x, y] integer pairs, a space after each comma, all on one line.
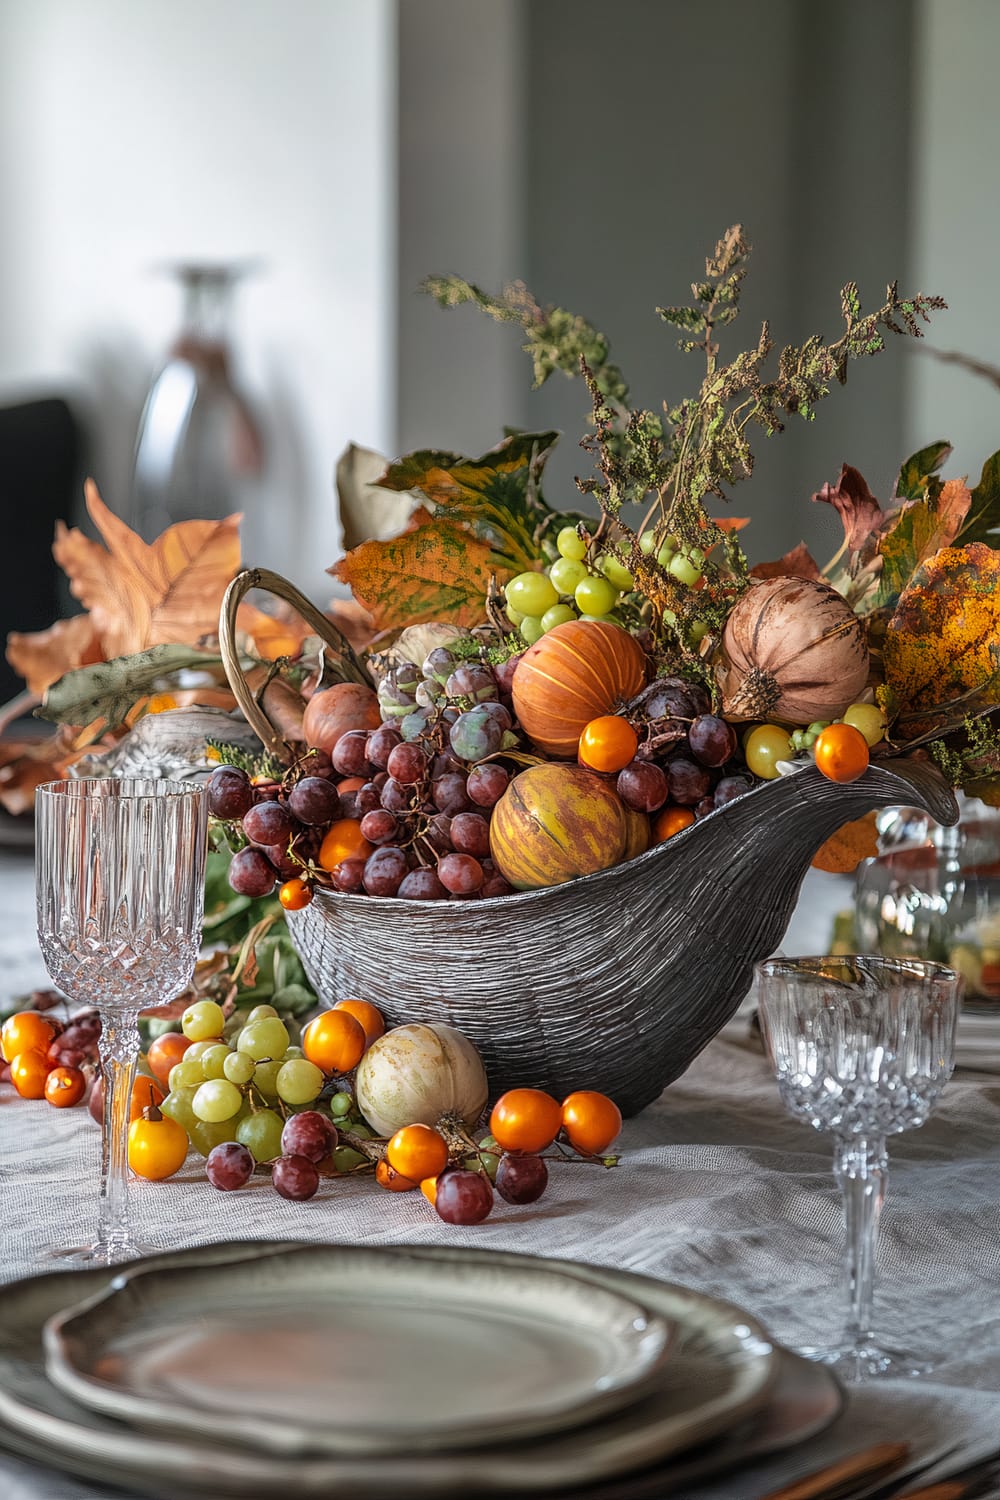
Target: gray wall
[[956, 221], [598, 152]]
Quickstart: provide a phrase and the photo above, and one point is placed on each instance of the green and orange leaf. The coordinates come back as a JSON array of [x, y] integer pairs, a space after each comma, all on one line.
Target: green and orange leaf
[[919, 530], [982, 524], [498, 496], [941, 647], [437, 570], [918, 475]]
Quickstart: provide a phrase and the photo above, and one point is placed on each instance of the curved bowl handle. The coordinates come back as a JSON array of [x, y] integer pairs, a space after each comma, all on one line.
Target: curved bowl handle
[[916, 783], [250, 703]]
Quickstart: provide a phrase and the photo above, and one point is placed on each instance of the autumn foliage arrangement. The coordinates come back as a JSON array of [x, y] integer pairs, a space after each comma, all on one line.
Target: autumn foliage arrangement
[[514, 649]]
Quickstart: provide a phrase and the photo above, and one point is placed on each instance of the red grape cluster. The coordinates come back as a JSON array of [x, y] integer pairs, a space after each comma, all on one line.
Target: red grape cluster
[[419, 791], [78, 1041], [688, 756], [307, 1140], [282, 821]]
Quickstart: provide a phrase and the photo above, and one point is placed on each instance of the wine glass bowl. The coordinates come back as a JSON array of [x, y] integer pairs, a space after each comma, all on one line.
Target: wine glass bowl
[[862, 1047], [119, 884]]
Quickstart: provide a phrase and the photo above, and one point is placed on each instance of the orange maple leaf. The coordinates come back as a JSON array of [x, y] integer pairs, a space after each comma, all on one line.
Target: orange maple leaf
[[140, 594], [845, 849], [42, 656], [27, 764], [143, 594]]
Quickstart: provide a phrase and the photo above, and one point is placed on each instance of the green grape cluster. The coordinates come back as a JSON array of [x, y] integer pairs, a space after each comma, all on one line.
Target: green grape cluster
[[240, 1087], [804, 739], [576, 588], [570, 590]]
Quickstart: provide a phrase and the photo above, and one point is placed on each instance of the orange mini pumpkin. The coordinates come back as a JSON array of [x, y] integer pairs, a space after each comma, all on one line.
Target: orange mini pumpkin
[[576, 672]]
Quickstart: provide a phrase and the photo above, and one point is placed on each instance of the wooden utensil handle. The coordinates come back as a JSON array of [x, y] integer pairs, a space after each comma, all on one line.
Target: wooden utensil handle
[[835, 1479]]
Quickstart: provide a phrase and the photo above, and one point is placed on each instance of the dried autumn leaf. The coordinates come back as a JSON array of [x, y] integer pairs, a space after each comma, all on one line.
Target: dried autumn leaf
[[857, 507], [799, 563], [437, 571], [983, 520], [942, 644], [369, 511], [845, 849], [105, 692], [143, 594], [27, 764], [353, 621], [41, 657], [271, 635]]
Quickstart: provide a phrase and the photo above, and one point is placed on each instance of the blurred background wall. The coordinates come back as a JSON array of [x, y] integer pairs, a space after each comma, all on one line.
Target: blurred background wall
[[133, 134], [354, 146]]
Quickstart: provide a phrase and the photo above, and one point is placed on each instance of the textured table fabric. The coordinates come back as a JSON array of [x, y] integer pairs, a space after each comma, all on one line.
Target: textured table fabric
[[718, 1189]]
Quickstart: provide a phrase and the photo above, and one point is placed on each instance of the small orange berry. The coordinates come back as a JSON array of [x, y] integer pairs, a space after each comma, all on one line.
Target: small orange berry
[[295, 894], [670, 820], [608, 743], [387, 1177], [591, 1121], [335, 1041], [368, 1014], [28, 1073], [841, 752]]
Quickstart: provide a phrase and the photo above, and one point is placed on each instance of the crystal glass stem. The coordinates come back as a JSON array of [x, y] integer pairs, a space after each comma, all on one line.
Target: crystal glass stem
[[861, 1168], [119, 1051]]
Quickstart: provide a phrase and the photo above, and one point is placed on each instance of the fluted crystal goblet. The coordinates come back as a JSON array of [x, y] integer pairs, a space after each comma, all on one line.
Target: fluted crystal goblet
[[862, 1047], [119, 890]]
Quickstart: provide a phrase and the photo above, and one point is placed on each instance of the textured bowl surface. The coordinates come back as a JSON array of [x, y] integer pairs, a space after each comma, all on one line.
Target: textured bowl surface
[[618, 980]]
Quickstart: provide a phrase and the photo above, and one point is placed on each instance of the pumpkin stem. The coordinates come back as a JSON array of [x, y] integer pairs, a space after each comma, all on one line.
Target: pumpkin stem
[[152, 1111], [374, 1149], [460, 1143], [755, 697]]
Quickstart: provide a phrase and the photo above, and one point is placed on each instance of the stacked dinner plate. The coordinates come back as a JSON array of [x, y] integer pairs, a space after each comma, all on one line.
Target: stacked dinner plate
[[264, 1368]]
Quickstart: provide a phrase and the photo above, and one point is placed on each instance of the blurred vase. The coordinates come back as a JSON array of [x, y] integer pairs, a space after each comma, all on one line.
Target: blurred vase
[[199, 453]]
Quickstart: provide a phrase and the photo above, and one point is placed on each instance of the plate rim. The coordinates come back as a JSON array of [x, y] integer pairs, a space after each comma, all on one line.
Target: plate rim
[[288, 1438], [67, 1441]]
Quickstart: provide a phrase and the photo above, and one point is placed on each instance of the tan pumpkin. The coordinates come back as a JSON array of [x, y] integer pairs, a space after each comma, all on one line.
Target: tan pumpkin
[[555, 823], [793, 651], [576, 672], [639, 835], [333, 711]]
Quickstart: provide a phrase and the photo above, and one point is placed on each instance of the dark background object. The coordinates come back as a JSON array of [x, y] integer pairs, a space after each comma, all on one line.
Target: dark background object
[[39, 463]]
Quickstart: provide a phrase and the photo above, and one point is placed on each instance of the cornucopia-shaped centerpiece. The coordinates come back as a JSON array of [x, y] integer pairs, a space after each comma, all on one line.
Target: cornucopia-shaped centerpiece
[[563, 792], [612, 980]]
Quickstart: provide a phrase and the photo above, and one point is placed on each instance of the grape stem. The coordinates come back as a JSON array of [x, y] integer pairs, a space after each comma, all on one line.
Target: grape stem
[[580, 1158]]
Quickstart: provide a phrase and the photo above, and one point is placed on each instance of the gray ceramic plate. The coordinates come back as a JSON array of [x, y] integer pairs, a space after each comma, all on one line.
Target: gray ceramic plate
[[352, 1350], [719, 1373]]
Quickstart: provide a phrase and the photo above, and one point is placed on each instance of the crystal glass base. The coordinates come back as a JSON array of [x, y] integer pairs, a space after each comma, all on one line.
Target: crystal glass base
[[856, 1363], [100, 1253]]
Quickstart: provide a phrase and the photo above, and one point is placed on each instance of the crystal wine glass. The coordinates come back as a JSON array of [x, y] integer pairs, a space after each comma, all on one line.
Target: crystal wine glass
[[120, 890], [862, 1047]]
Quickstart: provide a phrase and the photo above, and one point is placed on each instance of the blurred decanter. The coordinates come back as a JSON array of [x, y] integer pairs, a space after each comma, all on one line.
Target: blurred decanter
[[199, 453], [934, 893]]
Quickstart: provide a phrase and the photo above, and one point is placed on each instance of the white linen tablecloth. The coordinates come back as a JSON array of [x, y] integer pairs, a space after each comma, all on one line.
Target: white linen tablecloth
[[717, 1189]]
